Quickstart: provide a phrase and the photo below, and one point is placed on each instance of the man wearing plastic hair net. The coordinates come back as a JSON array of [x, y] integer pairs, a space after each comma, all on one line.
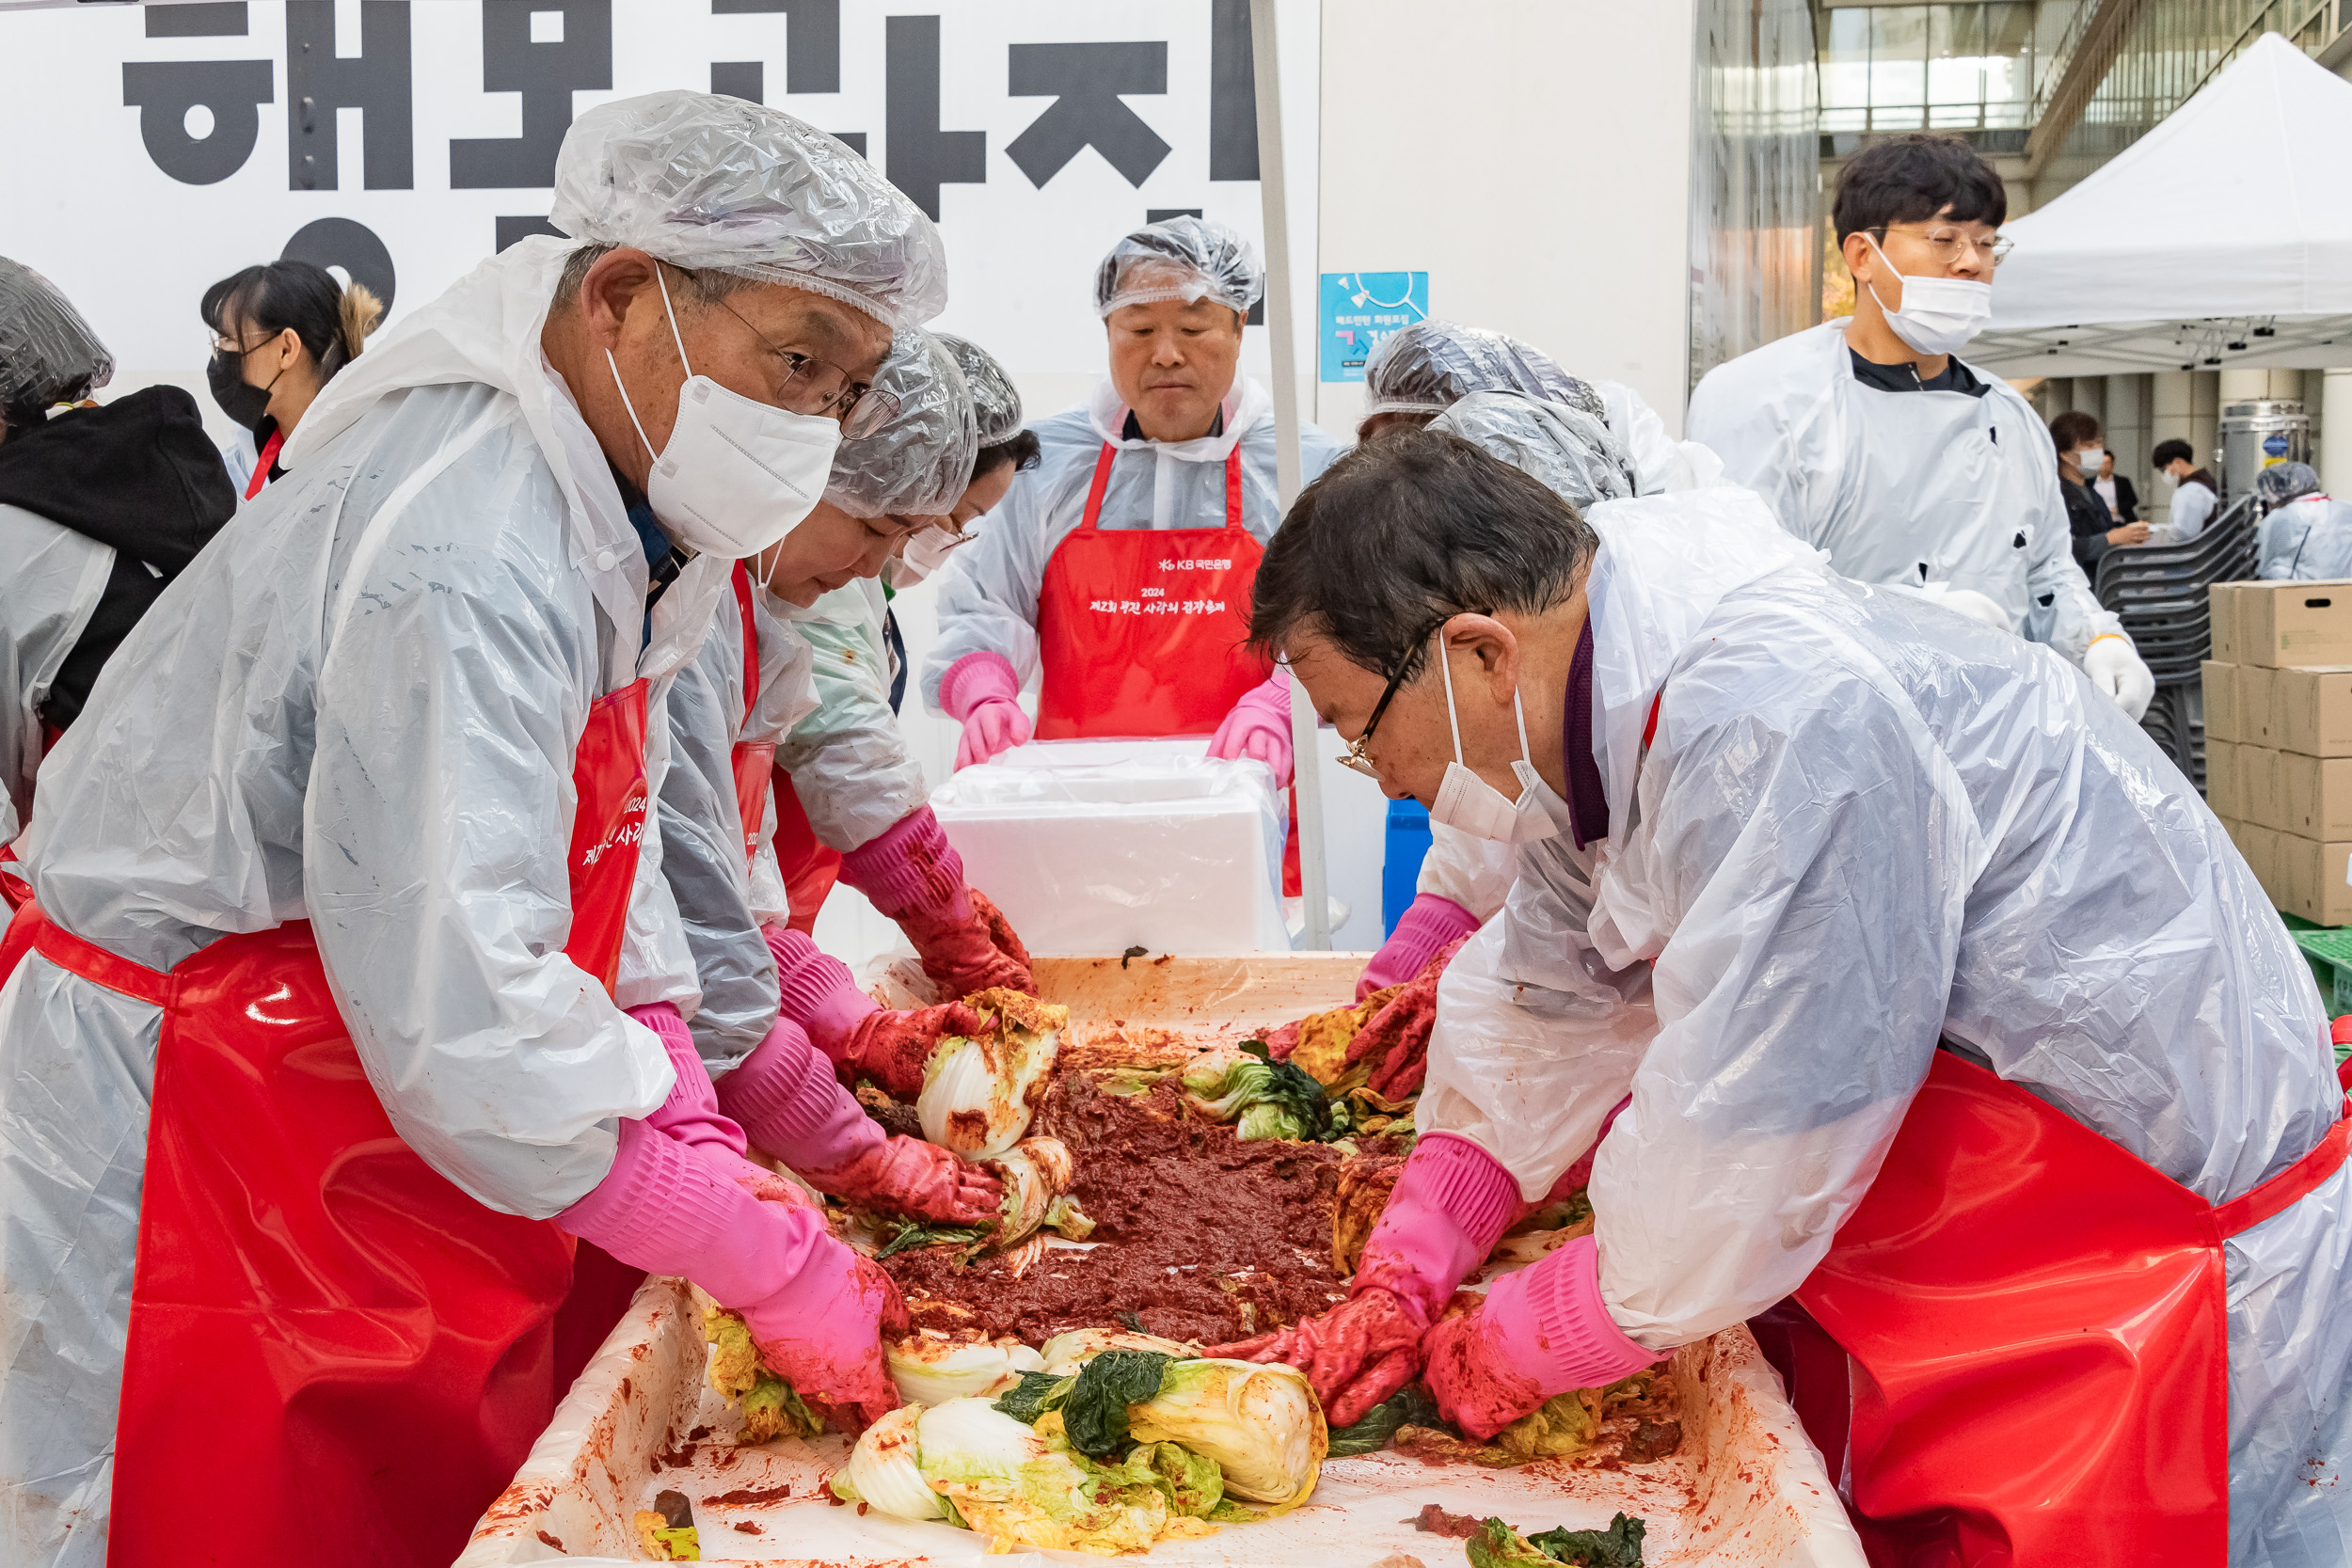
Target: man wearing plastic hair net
[[361, 839], [2306, 535], [1158, 493], [2049, 1146], [1417, 373]]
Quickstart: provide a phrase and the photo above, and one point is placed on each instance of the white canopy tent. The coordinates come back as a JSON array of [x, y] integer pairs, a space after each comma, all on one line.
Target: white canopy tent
[[2220, 239]]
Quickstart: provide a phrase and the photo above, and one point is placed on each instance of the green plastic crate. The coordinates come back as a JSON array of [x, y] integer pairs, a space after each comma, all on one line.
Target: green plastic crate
[[2328, 950]]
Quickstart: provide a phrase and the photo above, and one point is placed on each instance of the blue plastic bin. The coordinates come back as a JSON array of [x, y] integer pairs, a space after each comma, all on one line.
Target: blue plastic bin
[[1408, 841]]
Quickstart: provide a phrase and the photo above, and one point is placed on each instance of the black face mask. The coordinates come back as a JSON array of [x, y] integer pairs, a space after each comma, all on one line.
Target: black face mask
[[238, 398]]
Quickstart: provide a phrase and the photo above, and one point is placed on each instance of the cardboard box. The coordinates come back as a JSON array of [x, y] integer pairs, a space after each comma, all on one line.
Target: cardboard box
[[2258, 799], [2310, 710], [2222, 714], [2314, 796], [2257, 705], [2260, 846], [2302, 624], [2312, 878], [2225, 780], [2225, 638]]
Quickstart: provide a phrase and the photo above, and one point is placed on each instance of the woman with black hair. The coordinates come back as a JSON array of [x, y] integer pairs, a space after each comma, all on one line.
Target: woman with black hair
[[281, 331], [101, 506]]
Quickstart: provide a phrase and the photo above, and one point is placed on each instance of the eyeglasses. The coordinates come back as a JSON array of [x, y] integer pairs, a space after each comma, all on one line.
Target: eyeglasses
[[1357, 758], [862, 408], [1945, 244], [221, 342]]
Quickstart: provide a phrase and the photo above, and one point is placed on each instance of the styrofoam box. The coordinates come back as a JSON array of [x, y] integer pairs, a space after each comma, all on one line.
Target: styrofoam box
[[1091, 845]]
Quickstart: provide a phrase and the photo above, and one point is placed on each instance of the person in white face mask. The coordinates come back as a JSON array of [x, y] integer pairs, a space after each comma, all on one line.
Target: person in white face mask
[[2196, 494], [1873, 440], [1839, 895], [357, 925]]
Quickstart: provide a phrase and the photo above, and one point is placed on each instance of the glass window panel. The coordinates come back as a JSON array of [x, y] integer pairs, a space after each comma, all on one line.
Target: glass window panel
[[1898, 56], [1855, 119], [1953, 116], [1846, 86], [1955, 31], [1956, 81], [1885, 116], [1845, 37]]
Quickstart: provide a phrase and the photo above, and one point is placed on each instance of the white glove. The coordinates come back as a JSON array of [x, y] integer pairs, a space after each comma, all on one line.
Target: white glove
[[2116, 668], [1968, 602]]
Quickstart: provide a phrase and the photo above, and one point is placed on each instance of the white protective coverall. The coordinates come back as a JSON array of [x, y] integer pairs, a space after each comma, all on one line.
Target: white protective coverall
[[849, 757], [280, 697], [1904, 487], [1867, 823], [2193, 507], [2307, 539], [54, 581], [988, 592]]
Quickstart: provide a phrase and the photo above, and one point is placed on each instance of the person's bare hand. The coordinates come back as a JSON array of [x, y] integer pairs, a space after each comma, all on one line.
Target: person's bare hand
[[2130, 533]]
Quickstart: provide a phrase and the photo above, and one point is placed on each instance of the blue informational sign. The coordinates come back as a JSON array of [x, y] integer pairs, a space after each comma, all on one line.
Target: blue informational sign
[[1361, 307]]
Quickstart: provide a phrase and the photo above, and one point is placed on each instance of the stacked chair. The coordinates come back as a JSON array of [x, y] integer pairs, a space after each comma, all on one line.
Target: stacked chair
[[2162, 593]]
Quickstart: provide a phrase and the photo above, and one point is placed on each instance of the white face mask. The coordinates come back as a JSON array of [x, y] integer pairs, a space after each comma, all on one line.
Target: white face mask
[[1470, 804], [2172, 480], [1939, 314], [2089, 459], [736, 475]]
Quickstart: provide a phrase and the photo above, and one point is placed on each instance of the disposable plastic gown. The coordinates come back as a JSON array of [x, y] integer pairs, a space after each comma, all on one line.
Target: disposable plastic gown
[[388, 658], [2308, 540], [988, 592], [849, 757], [1865, 825], [53, 582], [1904, 487]]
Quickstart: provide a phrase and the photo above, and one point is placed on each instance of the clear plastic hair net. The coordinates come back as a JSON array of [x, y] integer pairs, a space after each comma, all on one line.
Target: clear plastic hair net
[[995, 401], [1188, 258], [1571, 450], [702, 180], [1430, 366], [2281, 483], [48, 354], [919, 464]]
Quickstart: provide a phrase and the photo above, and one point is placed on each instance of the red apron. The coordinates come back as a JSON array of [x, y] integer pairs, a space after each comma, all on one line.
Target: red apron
[[753, 759], [808, 868], [1145, 632], [2034, 1331], [335, 1355]]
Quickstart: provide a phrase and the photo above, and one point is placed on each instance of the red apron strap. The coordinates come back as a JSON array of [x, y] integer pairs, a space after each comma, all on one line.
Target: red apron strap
[[751, 639], [98, 966], [1649, 730], [260, 469], [1233, 486], [1102, 484], [2284, 1189]]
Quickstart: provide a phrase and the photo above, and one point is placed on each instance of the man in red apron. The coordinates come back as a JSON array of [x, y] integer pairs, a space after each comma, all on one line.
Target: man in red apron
[[1117, 572], [328, 1022], [1939, 1008]]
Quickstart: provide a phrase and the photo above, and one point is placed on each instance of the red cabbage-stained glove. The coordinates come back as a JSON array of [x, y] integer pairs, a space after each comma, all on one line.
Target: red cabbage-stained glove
[[1427, 925], [816, 1310], [1541, 1331], [913, 876], [1449, 1209], [787, 1096], [981, 692], [1259, 726], [691, 1114], [856, 1034], [1395, 1040]]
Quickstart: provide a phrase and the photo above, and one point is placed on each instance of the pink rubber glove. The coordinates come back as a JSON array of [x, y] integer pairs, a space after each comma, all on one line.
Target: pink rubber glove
[[1450, 1207], [981, 690], [785, 1094], [913, 876], [691, 1114], [857, 1035], [1542, 1331], [816, 1310], [1428, 923], [1259, 726]]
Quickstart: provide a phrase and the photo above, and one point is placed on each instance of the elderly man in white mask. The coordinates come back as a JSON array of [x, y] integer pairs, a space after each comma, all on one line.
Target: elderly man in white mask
[[329, 1019]]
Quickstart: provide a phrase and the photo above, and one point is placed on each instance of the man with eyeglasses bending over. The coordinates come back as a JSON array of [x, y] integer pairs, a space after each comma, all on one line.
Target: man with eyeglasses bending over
[[1872, 439]]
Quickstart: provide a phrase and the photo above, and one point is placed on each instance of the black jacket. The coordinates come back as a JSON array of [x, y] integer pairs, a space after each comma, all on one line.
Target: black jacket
[[139, 474], [2126, 498], [2086, 515]]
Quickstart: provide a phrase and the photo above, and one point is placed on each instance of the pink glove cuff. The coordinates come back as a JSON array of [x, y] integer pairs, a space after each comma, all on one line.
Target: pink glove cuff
[[1548, 1321], [667, 1210], [785, 1095], [910, 868], [1427, 925], [974, 679], [816, 991], [1449, 1208], [691, 1114]]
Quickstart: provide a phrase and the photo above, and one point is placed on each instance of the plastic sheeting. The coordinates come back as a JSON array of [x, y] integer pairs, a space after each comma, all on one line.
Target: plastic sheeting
[[920, 462], [48, 354], [1904, 487], [1866, 825], [53, 583], [995, 401], [2308, 540], [705, 180], [988, 592], [1180, 258]]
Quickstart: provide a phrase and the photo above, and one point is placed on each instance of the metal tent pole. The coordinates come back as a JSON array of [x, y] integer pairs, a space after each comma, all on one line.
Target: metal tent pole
[[1315, 880]]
